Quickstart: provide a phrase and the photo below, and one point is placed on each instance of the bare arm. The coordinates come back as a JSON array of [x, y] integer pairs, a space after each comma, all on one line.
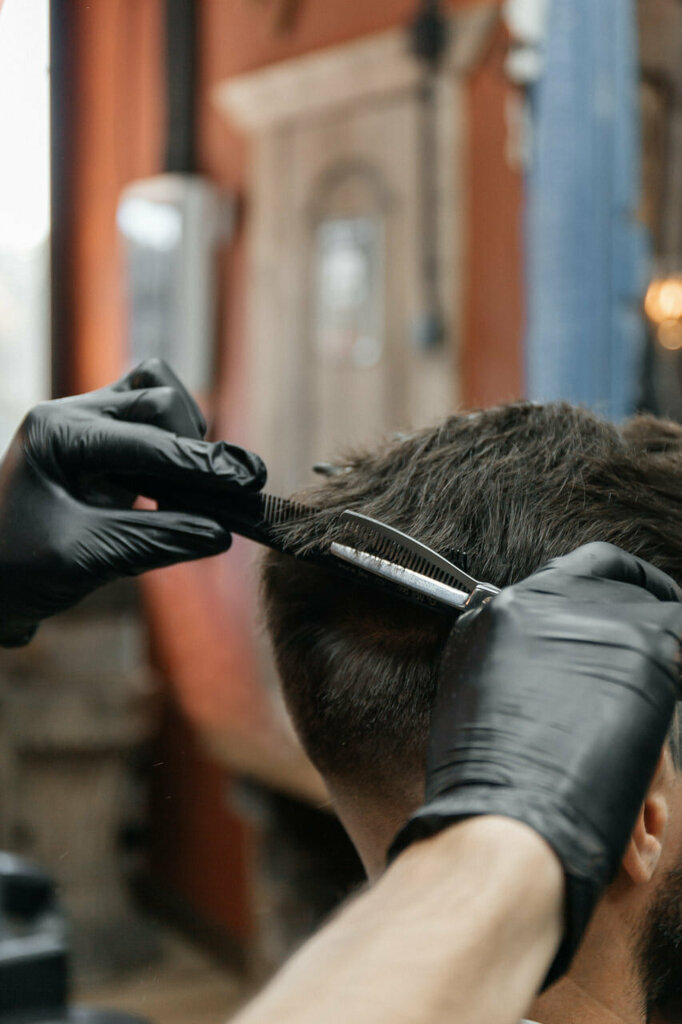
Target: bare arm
[[462, 928]]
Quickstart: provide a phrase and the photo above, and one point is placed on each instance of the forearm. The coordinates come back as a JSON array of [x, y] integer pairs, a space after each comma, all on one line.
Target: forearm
[[463, 927]]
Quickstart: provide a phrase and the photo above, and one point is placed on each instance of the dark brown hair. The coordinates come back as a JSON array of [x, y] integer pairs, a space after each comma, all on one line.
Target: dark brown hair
[[512, 487]]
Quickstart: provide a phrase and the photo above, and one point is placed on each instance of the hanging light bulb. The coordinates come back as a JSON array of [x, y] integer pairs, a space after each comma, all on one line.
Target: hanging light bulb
[[663, 306]]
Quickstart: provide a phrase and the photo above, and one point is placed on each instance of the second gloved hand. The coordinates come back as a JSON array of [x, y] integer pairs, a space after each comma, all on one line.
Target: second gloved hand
[[554, 703], [70, 476]]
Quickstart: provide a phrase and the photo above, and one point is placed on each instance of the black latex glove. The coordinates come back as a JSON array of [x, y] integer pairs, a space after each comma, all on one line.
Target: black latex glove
[[70, 476], [554, 703]]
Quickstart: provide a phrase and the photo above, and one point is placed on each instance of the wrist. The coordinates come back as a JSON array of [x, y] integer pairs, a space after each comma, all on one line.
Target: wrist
[[495, 848], [493, 889], [585, 861]]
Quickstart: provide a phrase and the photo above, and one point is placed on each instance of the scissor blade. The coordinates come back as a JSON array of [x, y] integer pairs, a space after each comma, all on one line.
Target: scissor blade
[[370, 526], [441, 592]]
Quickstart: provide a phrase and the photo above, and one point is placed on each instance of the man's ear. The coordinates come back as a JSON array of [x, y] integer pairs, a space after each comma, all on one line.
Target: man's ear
[[646, 843]]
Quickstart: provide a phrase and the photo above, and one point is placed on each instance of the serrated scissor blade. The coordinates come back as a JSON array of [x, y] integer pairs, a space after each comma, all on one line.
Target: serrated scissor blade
[[373, 527]]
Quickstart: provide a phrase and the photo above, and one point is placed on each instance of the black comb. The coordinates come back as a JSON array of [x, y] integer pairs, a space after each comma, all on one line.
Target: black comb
[[368, 551], [259, 516], [418, 575]]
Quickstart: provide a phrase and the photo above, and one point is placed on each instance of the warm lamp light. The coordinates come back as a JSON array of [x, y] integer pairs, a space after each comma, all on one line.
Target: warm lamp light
[[664, 299], [663, 306]]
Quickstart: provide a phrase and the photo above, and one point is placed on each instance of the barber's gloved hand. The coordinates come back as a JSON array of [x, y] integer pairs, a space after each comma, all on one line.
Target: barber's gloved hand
[[554, 703], [70, 476]]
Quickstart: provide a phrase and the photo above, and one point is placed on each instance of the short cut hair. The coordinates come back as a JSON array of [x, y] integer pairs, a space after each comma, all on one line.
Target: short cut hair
[[512, 487]]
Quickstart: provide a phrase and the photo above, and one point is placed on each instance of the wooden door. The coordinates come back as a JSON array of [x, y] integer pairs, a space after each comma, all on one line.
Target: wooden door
[[335, 231]]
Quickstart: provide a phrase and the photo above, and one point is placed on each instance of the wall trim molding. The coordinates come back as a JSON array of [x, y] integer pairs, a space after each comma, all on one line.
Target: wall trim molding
[[308, 86]]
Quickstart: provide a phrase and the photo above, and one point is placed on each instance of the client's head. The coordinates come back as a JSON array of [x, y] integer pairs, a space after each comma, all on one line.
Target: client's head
[[512, 487]]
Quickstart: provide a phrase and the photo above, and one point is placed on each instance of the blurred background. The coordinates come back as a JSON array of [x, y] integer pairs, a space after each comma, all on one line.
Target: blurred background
[[335, 220]]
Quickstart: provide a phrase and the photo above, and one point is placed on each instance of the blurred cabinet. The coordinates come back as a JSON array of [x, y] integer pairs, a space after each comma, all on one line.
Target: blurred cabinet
[[76, 707], [335, 226]]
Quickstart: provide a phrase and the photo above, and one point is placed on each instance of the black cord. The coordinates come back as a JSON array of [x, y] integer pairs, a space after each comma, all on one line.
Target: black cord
[[181, 85]]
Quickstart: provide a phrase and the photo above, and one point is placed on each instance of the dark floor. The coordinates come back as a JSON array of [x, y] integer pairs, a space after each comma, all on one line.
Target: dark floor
[[185, 987]]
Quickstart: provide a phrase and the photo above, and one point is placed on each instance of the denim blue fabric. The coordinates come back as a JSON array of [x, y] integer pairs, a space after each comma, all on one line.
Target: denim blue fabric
[[586, 256]]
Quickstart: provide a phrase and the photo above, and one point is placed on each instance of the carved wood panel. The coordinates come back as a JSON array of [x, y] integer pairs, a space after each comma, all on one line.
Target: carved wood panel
[[305, 404], [337, 142]]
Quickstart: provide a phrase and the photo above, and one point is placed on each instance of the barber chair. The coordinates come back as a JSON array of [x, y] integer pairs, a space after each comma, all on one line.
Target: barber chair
[[34, 953]]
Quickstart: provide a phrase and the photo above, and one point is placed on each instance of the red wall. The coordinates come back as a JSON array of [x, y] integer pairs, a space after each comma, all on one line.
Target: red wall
[[491, 366], [198, 611]]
